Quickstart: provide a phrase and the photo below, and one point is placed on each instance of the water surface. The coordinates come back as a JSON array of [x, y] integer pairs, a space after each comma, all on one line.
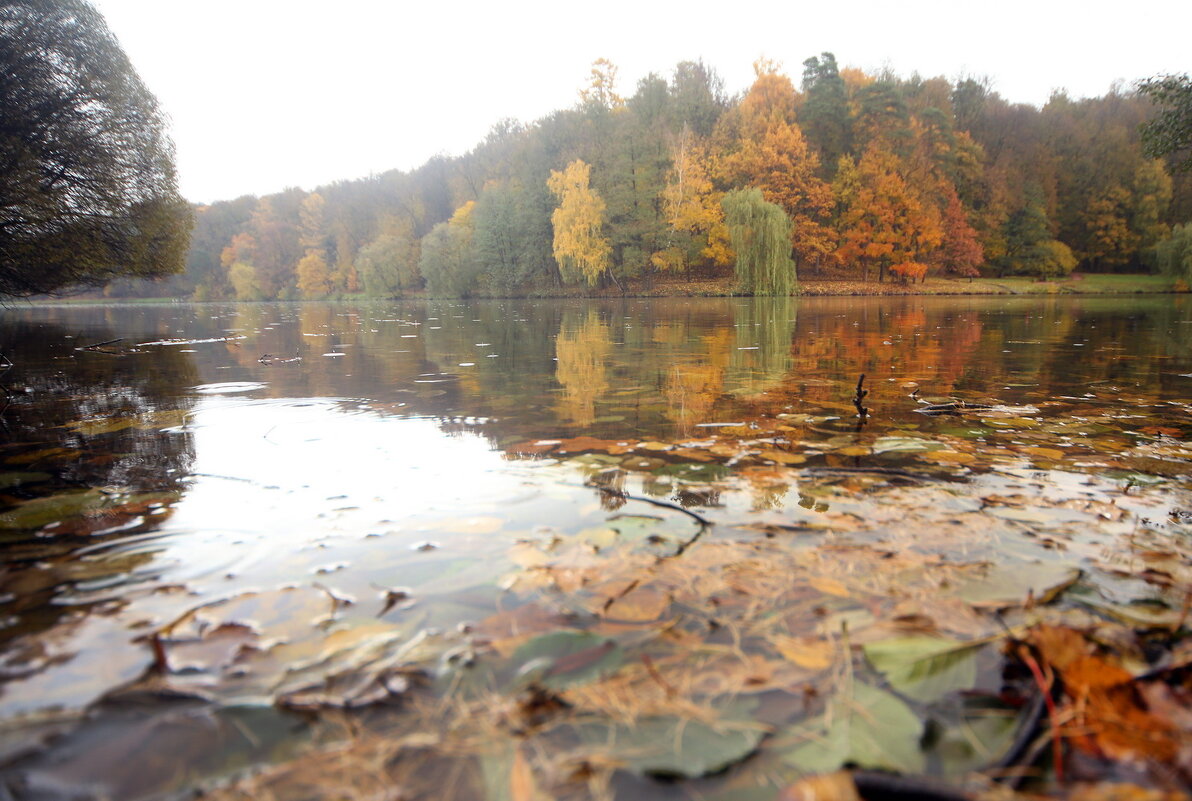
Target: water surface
[[231, 512]]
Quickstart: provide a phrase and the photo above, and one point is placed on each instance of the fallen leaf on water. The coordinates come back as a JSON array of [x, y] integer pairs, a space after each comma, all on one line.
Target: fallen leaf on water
[[589, 444], [813, 653], [1012, 584], [829, 586], [837, 786]]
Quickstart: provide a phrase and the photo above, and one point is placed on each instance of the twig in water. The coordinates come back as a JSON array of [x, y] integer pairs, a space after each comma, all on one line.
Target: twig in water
[[1045, 685], [862, 412], [95, 347], [671, 692]]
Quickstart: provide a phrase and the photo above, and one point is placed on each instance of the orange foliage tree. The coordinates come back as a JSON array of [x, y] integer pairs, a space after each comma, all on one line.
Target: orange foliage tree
[[764, 148], [881, 220]]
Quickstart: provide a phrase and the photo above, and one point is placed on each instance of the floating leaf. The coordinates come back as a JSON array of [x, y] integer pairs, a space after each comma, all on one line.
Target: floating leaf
[[1003, 585], [688, 471], [11, 480], [813, 653], [906, 445], [564, 658], [40, 512], [867, 727], [925, 668]]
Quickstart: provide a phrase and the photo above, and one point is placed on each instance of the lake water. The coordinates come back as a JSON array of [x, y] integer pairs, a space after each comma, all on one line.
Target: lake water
[[489, 550]]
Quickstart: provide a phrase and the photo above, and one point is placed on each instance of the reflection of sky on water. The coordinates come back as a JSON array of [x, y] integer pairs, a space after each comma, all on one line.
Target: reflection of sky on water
[[272, 476]]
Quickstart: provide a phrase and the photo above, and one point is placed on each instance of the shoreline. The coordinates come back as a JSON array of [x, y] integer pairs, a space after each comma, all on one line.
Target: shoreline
[[1091, 284]]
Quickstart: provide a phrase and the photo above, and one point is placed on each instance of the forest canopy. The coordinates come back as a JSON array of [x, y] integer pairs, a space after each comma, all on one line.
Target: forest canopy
[[87, 184], [880, 177]]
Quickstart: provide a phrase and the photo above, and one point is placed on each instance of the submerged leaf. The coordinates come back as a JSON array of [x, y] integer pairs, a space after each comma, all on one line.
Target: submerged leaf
[[676, 747], [564, 658], [868, 727], [925, 668]]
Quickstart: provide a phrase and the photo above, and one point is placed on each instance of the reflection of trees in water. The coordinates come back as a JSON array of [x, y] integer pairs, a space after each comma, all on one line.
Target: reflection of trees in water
[[762, 357], [582, 349], [78, 402]]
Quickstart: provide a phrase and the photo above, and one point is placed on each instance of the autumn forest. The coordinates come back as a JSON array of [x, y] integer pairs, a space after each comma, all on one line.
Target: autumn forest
[[833, 174]]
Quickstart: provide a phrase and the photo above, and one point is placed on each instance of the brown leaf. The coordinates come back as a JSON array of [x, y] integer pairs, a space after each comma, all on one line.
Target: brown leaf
[[837, 786], [522, 786]]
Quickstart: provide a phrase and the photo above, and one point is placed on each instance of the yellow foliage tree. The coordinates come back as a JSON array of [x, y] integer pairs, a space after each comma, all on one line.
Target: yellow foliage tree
[[314, 278], [243, 278], [580, 246], [691, 205]]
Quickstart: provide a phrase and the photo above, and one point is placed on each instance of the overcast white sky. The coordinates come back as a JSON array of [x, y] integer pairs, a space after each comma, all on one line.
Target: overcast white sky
[[266, 94]]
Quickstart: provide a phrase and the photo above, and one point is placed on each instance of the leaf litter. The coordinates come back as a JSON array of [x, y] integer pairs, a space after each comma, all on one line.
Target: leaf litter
[[762, 605]]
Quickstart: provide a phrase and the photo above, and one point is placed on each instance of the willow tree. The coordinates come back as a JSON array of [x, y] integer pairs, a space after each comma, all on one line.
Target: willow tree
[[87, 184], [760, 233]]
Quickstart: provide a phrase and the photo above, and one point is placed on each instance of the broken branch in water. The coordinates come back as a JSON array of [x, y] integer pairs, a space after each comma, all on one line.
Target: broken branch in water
[[95, 347], [952, 407], [862, 411]]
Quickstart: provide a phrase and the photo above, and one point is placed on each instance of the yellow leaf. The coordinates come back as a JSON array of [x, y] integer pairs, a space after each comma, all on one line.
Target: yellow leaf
[[522, 786], [812, 653], [782, 457], [830, 586]]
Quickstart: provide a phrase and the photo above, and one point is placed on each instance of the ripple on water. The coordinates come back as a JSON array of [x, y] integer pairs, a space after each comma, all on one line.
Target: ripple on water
[[228, 387]]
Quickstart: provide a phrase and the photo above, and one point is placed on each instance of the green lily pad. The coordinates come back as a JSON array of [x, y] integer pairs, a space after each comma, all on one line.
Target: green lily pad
[[564, 658], [869, 728], [925, 668]]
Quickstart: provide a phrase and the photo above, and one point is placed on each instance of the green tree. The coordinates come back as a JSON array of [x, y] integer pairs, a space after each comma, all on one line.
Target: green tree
[[1170, 131], [448, 260], [825, 112], [502, 245], [388, 265], [87, 183], [1173, 255], [760, 233], [1030, 248]]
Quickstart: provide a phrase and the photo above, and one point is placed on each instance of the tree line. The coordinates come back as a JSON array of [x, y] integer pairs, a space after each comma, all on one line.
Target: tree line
[[847, 175]]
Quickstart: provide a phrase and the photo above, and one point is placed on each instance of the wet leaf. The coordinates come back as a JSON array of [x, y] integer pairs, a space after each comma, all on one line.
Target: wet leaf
[[925, 668], [40, 512], [906, 445], [813, 653], [564, 658], [1003, 585], [12, 480], [867, 727], [688, 471], [978, 735]]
